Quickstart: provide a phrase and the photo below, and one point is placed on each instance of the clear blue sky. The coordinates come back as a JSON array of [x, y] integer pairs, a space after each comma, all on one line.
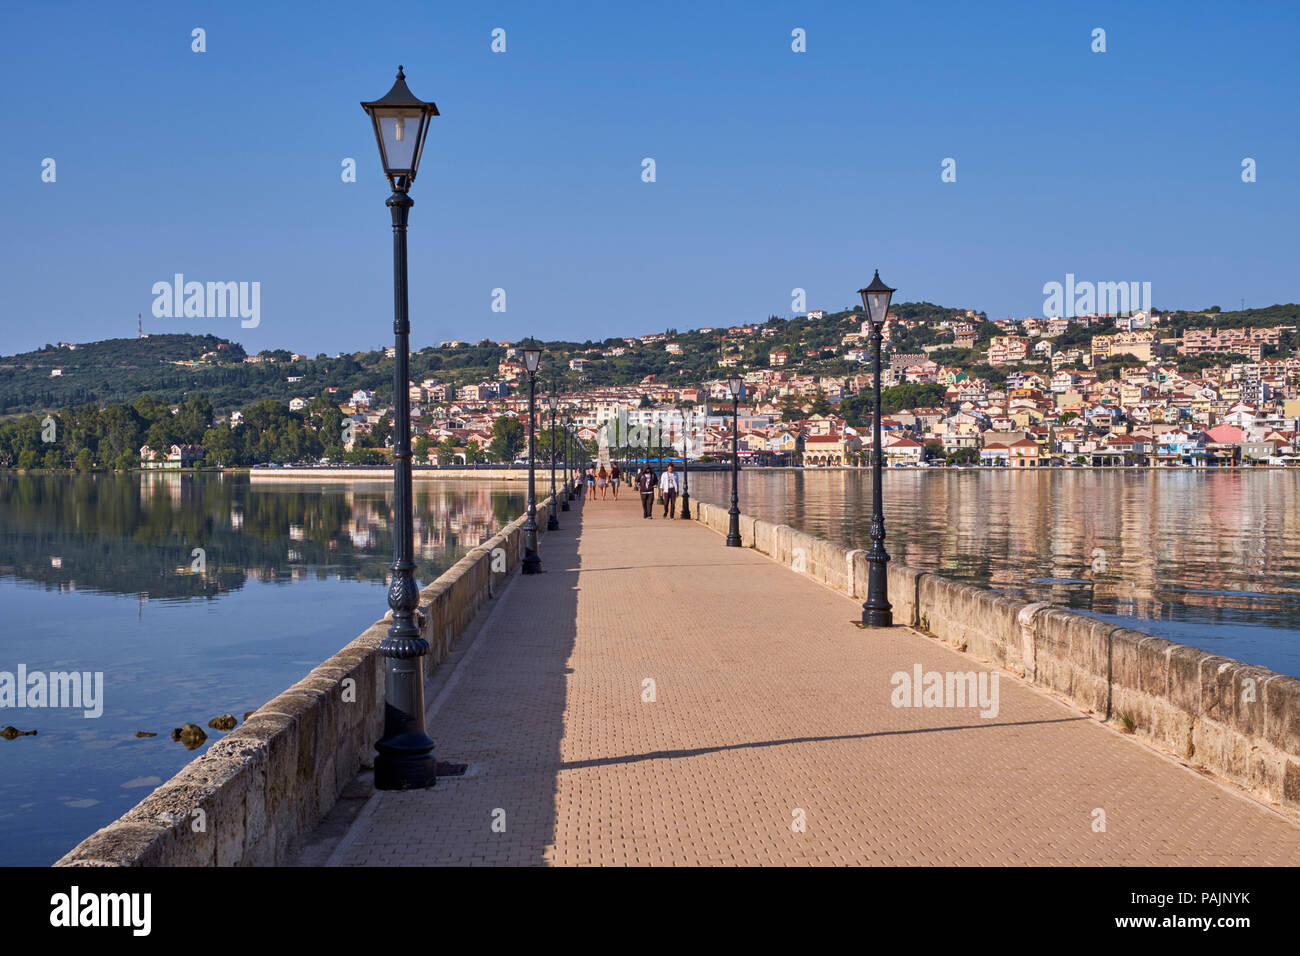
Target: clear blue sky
[[775, 169]]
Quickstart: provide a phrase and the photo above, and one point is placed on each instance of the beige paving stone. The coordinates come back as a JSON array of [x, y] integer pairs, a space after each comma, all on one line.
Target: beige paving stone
[[768, 700]]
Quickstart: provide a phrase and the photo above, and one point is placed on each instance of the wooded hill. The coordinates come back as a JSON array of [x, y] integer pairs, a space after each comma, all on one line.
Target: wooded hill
[[121, 370]]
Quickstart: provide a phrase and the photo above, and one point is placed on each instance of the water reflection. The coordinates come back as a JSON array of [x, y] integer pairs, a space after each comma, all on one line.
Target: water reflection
[[98, 573], [1210, 559], [137, 534]]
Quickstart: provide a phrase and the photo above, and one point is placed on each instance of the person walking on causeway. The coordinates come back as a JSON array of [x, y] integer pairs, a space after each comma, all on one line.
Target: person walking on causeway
[[645, 483]]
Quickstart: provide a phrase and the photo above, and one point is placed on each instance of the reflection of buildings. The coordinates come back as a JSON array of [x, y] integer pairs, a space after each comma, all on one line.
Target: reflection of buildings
[[446, 519], [1147, 545], [172, 484], [136, 534]]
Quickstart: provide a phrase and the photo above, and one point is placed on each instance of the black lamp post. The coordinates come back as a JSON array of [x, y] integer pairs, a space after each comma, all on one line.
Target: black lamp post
[[553, 519], [567, 491], [568, 470], [734, 385], [574, 476], [532, 563], [877, 611], [405, 758], [686, 469]]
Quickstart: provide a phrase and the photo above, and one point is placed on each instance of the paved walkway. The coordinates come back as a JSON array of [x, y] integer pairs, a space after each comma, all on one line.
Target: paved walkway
[[770, 707]]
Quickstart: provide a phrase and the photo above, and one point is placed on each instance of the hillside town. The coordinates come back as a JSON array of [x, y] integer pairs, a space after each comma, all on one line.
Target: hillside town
[[1060, 411], [1142, 389]]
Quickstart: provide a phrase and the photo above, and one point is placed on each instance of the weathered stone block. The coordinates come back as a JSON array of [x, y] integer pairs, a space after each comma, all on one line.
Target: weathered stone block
[[1216, 679], [832, 564], [904, 584], [1184, 688], [1243, 685], [1281, 696], [781, 548], [122, 843]]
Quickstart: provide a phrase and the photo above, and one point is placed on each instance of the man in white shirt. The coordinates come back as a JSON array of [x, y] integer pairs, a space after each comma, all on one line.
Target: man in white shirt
[[668, 492]]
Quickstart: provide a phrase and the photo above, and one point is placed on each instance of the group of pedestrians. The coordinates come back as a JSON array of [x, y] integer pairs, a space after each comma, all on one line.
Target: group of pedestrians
[[647, 483], [603, 480]]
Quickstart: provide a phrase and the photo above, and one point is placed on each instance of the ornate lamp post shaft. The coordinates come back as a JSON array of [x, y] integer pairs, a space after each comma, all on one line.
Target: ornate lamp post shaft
[[405, 760], [686, 470]]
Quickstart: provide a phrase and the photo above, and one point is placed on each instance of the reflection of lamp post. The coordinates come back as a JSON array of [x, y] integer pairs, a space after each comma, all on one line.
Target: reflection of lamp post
[[877, 611], [553, 519], [532, 563], [405, 759], [734, 385], [686, 468]]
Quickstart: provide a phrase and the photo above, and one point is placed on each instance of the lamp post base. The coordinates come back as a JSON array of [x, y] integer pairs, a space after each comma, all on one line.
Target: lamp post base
[[733, 528], [876, 617], [686, 506], [406, 762], [532, 564], [877, 611]]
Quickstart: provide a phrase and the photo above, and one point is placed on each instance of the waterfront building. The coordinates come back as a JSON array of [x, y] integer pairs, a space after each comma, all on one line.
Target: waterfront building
[[834, 448], [178, 456]]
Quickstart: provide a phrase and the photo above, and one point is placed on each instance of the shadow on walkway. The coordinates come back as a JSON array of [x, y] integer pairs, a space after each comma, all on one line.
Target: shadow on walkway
[[701, 751]]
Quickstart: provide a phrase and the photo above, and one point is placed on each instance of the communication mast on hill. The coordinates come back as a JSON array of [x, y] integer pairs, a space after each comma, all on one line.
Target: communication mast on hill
[[139, 326]]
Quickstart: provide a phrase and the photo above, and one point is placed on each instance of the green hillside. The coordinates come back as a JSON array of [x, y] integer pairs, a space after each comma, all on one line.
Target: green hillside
[[174, 368]]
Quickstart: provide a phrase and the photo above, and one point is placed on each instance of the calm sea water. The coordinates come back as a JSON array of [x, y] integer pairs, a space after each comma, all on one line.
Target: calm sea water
[[1210, 559], [98, 573]]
